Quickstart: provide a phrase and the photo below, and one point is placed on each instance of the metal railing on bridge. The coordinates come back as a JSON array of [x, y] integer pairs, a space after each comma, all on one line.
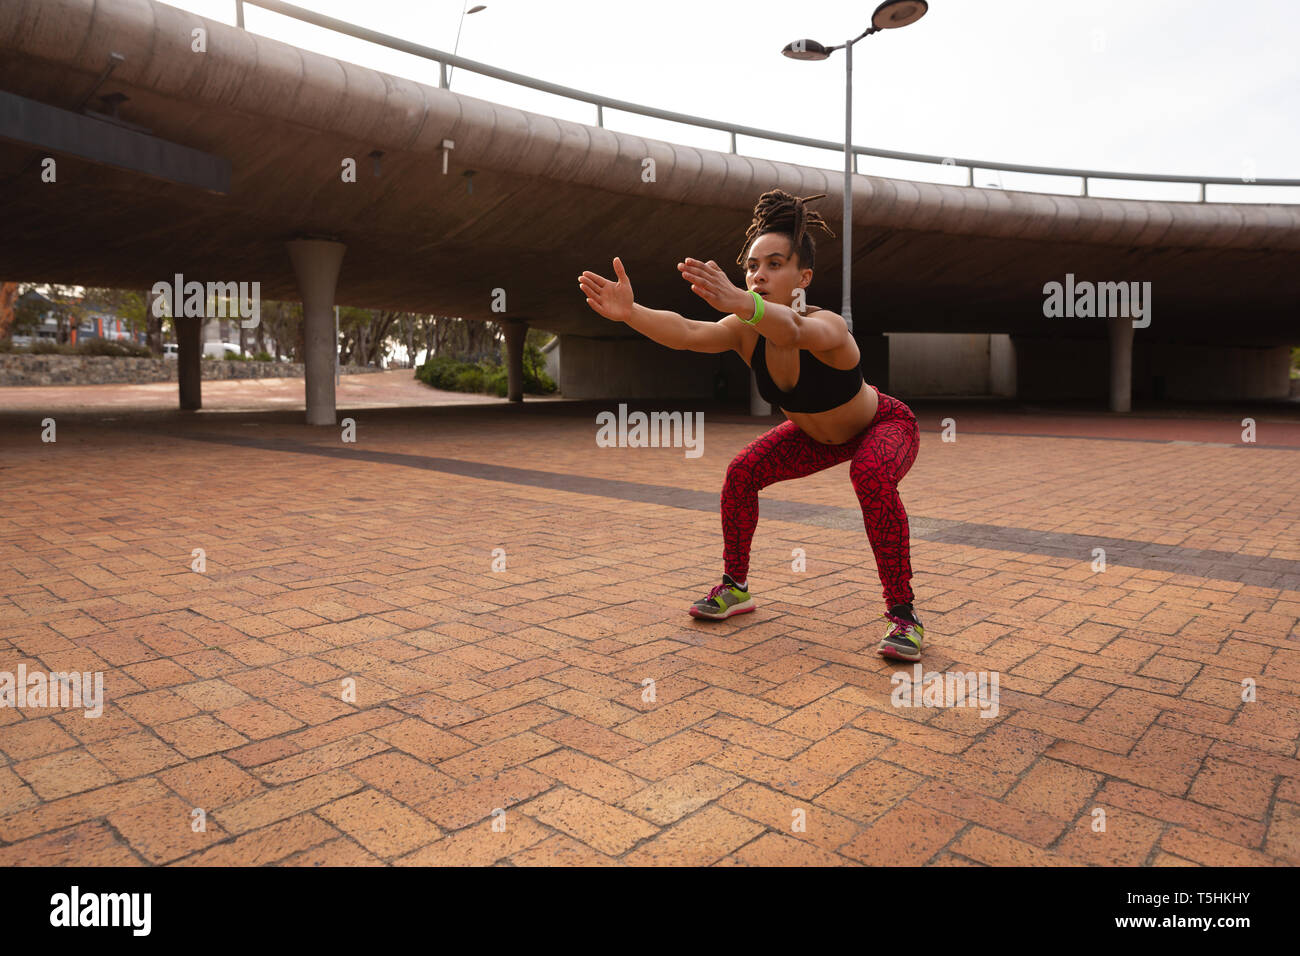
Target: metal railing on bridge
[[603, 103]]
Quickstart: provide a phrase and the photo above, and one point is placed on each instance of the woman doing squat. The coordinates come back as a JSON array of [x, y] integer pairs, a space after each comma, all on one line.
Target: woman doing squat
[[808, 365]]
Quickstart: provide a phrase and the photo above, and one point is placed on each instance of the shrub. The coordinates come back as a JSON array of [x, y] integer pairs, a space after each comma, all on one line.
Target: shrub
[[497, 382], [236, 357], [439, 372], [47, 347], [7, 345], [100, 347], [264, 356], [469, 379], [112, 347], [491, 377]]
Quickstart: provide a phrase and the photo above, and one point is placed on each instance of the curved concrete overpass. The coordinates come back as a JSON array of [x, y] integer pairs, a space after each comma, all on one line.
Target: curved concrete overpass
[[528, 201]]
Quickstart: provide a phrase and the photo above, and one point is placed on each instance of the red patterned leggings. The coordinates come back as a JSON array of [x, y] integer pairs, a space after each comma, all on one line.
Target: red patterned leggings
[[881, 454]]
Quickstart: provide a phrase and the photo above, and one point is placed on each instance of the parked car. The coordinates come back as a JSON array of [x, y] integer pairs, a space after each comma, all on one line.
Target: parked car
[[219, 350], [171, 350]]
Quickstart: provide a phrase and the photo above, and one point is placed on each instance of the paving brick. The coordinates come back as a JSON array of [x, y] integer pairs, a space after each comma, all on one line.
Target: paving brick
[[905, 836], [592, 739], [1283, 839], [997, 849], [464, 805], [491, 759], [268, 845], [63, 773], [403, 777], [562, 850], [81, 807], [27, 739], [869, 792], [597, 824], [668, 756], [90, 844], [1193, 815], [840, 752], [379, 823], [664, 720], [789, 776], [287, 801], [668, 800], [780, 812], [700, 840], [340, 852], [1127, 839], [593, 777], [480, 845], [1230, 786], [1057, 789], [1026, 824], [164, 830], [1211, 851], [331, 756]]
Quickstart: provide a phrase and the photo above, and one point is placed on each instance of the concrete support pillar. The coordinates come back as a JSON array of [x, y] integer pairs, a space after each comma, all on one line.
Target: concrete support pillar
[[189, 362], [316, 265], [515, 330], [1120, 331], [1002, 366]]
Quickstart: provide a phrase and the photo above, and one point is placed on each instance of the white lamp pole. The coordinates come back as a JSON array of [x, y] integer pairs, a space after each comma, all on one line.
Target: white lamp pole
[[890, 15], [456, 48]]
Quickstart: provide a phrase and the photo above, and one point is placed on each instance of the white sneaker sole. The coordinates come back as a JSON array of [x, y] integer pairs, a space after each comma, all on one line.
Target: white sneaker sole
[[741, 608]]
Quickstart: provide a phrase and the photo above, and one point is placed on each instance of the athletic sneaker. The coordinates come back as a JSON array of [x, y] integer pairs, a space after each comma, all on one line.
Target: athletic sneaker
[[903, 641], [726, 599]]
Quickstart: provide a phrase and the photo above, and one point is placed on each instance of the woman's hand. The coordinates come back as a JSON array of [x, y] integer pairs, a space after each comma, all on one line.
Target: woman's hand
[[613, 300], [711, 284]]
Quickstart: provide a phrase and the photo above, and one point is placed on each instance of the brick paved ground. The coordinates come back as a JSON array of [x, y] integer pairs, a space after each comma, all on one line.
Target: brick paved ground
[[771, 738]]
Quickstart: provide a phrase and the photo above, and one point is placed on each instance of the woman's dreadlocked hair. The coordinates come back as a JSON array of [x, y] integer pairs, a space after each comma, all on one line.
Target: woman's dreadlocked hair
[[778, 211]]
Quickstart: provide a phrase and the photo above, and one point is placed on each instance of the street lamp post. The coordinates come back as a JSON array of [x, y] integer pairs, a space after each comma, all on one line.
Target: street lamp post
[[890, 15], [474, 9]]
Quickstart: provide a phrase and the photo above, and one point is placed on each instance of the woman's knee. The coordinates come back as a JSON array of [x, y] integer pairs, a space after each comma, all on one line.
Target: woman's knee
[[872, 479], [740, 474]]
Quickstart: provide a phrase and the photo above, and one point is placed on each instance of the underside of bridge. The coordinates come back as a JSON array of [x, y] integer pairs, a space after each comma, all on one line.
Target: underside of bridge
[[526, 203]]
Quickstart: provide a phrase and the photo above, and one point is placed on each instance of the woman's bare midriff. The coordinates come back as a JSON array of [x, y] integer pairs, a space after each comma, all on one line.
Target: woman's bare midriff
[[834, 426]]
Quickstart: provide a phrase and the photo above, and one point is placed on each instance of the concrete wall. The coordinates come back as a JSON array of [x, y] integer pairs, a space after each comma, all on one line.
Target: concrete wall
[[1002, 366], [922, 363], [1212, 372], [925, 364], [639, 368], [1079, 368]]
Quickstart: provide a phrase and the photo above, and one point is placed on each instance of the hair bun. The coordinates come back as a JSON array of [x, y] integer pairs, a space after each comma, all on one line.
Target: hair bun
[[780, 211]]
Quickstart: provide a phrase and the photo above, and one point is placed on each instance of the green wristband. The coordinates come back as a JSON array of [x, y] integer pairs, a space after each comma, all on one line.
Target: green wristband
[[758, 308]]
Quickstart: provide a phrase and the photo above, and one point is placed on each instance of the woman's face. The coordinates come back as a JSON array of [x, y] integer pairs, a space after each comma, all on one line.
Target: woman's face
[[772, 271]]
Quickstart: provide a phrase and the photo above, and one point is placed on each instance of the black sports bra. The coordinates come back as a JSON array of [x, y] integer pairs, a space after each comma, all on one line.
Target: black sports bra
[[820, 387]]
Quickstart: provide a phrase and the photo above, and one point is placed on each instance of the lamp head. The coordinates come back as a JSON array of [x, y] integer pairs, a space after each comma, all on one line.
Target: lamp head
[[893, 14], [805, 50]]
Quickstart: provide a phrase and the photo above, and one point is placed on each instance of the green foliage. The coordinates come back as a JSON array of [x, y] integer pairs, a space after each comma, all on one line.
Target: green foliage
[[490, 377], [439, 372], [47, 347], [469, 379], [235, 357], [263, 357], [110, 347]]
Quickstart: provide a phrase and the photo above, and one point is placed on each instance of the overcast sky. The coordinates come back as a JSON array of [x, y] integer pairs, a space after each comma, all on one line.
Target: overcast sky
[[1156, 86]]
